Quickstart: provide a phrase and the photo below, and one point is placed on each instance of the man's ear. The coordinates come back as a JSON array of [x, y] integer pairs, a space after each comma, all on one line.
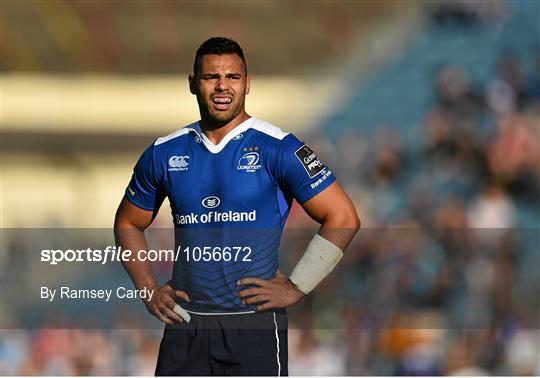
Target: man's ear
[[248, 83], [192, 84]]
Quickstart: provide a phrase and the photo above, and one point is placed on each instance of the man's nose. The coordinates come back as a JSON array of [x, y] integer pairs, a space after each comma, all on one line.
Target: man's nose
[[221, 84]]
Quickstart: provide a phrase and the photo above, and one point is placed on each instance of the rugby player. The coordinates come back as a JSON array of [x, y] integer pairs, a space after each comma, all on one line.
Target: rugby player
[[230, 179]]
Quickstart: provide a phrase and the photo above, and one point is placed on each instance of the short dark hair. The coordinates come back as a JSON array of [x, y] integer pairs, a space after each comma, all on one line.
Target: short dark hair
[[218, 46]]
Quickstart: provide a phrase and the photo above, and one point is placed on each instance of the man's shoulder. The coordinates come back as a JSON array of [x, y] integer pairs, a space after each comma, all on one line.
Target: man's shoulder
[[269, 130], [175, 135]]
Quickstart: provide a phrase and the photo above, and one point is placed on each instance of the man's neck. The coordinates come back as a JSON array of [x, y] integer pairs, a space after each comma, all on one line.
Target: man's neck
[[215, 132]]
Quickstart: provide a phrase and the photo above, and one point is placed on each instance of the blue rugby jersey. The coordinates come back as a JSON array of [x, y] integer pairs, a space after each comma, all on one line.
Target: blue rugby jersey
[[229, 203]]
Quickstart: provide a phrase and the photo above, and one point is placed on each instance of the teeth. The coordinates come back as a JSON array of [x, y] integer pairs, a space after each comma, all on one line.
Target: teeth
[[222, 100]]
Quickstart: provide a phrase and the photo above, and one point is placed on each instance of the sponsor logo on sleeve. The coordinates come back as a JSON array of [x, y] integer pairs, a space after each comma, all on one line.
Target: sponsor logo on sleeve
[[309, 160]]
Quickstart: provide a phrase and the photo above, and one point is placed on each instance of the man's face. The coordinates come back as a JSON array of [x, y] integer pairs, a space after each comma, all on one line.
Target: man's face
[[221, 87]]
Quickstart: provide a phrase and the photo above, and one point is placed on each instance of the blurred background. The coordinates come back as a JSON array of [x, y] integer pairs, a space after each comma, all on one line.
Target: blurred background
[[428, 113]]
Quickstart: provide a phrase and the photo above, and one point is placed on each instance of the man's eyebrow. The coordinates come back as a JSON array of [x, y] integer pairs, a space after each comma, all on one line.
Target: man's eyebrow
[[216, 74], [210, 74]]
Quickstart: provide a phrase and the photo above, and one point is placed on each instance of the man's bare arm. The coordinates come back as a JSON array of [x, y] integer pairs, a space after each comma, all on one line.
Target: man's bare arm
[[334, 210], [129, 225]]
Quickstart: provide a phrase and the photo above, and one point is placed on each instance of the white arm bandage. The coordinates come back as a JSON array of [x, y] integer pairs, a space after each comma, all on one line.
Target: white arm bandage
[[320, 258]]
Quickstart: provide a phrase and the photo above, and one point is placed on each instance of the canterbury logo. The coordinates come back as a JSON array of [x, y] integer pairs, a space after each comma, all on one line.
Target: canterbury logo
[[178, 161]]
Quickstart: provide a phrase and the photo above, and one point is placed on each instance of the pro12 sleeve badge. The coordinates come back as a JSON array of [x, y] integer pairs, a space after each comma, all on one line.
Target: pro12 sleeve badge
[[310, 161]]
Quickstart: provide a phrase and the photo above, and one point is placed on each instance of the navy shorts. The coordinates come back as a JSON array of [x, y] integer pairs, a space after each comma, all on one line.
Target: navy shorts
[[233, 344]]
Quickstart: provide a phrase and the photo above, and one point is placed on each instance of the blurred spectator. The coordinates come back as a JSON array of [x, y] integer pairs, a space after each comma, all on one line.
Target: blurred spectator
[[492, 209], [513, 156], [464, 354], [510, 72], [467, 12], [534, 82], [523, 351], [455, 94], [313, 357], [14, 350]]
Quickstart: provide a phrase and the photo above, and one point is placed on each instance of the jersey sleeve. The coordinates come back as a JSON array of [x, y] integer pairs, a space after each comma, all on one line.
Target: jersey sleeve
[[300, 170], [144, 189]]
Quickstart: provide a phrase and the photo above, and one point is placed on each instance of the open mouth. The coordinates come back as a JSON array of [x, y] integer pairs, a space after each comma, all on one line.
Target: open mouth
[[221, 102]]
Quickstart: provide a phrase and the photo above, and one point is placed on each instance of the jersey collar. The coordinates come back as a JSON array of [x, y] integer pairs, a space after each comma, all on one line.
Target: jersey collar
[[215, 148]]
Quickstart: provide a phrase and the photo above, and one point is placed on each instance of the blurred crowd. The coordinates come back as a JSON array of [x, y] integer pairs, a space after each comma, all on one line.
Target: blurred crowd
[[443, 278], [68, 352]]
